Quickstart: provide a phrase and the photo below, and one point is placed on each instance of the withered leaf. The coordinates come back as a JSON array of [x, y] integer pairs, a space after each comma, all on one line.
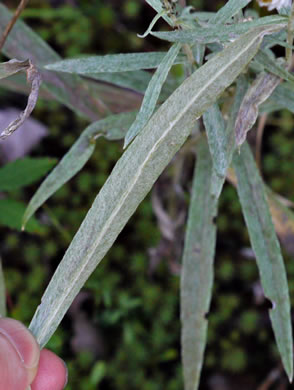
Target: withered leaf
[[260, 90], [34, 78], [13, 66]]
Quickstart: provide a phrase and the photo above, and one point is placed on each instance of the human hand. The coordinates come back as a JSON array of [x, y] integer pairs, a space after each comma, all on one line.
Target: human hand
[[23, 364]]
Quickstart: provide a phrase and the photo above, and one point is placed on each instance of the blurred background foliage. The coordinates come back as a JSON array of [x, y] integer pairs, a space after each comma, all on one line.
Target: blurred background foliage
[[123, 331]]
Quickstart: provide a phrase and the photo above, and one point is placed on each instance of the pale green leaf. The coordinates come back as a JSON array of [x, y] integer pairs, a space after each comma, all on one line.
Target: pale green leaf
[[2, 292], [266, 246], [197, 268], [272, 66], [214, 33], [112, 63], [23, 172], [152, 24], [157, 5], [230, 9], [282, 98], [152, 93], [197, 16], [135, 173], [137, 80], [216, 134], [68, 89], [221, 137], [112, 127]]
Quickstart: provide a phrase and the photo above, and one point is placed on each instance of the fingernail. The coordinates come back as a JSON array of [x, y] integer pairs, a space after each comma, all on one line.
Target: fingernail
[[10, 340], [21, 340], [66, 374]]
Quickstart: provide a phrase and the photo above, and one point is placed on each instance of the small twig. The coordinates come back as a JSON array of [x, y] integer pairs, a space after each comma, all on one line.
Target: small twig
[[290, 34], [20, 8], [259, 135]]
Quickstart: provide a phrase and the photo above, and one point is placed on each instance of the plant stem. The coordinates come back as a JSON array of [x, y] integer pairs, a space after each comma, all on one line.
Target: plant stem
[[10, 25]]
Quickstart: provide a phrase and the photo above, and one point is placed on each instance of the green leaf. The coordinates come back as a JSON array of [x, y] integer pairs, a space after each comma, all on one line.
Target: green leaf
[[137, 80], [13, 66], [282, 98], [23, 172], [135, 173], [11, 212], [266, 246], [152, 94], [221, 138], [217, 33], [112, 63], [157, 5], [230, 9], [216, 134], [197, 268], [112, 127], [68, 89], [2, 292], [272, 66], [152, 24]]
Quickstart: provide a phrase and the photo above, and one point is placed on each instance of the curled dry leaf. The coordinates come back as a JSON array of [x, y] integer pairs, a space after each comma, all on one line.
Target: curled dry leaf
[[260, 90], [13, 66], [34, 78]]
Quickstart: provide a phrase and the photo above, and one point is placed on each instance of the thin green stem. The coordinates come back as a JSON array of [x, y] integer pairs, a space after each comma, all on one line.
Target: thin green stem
[[290, 38]]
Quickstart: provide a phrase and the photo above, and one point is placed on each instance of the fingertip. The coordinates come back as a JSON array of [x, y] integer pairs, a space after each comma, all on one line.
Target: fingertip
[[52, 372], [23, 343]]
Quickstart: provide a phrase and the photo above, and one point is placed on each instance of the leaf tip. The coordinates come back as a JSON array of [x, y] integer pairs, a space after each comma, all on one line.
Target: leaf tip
[[127, 142]]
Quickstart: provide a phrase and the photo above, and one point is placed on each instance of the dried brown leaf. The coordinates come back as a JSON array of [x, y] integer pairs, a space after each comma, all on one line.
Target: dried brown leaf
[[34, 78]]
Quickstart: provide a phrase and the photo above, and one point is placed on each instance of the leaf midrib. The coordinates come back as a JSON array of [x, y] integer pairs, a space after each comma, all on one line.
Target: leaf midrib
[[137, 176]]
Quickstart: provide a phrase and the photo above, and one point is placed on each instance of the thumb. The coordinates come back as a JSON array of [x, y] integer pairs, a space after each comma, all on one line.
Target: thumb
[[19, 355]]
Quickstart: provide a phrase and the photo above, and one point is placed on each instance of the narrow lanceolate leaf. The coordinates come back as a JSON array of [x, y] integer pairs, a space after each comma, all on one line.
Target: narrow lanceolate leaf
[[283, 219], [231, 8], [135, 173], [23, 172], [260, 90], [157, 5], [137, 80], [197, 269], [34, 78], [282, 215], [13, 66], [112, 63], [112, 127], [67, 89], [267, 250], [152, 93], [273, 66], [282, 98], [215, 33], [216, 134], [221, 138], [2, 292], [153, 22]]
